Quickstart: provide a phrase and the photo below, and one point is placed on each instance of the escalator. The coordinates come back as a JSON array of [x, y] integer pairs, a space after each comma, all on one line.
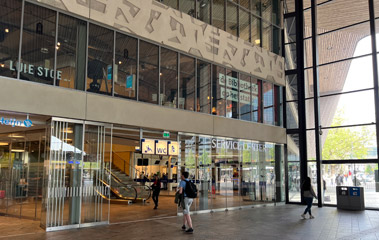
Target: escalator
[[123, 188]]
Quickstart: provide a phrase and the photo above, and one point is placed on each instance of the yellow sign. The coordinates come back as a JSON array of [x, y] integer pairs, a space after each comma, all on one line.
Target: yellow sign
[[160, 147], [173, 148], [148, 146]]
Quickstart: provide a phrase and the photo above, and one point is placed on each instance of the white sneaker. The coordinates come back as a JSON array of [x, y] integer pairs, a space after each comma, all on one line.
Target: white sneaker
[[311, 217], [303, 216]]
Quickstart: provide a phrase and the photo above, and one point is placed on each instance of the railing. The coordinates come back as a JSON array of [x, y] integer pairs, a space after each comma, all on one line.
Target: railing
[[132, 191]]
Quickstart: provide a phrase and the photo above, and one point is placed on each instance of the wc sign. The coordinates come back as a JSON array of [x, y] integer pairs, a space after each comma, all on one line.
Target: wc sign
[[161, 147]]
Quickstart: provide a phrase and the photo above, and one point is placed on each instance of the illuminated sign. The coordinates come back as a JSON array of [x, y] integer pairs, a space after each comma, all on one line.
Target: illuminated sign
[[160, 147], [173, 148], [238, 145], [16, 123], [33, 70], [148, 146]]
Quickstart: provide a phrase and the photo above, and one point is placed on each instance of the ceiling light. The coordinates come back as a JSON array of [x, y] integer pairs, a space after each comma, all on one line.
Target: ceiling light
[[12, 135], [257, 41], [119, 62], [17, 150], [4, 144], [44, 50], [2, 65], [7, 30]]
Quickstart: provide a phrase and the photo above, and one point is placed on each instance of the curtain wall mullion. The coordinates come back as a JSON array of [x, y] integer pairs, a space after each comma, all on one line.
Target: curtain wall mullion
[[316, 101]]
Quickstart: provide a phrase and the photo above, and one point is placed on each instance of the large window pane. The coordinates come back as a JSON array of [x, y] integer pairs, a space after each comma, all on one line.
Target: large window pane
[[267, 10], [148, 73], [187, 6], [231, 94], [333, 15], [9, 36], [187, 83], [291, 90], [203, 10], [343, 44], [38, 45], [267, 36], [345, 76], [256, 30], [292, 115], [232, 19], [268, 105], [245, 97], [100, 60], [71, 52], [276, 40], [218, 14], [349, 143], [256, 98], [218, 91], [347, 109], [203, 87], [256, 7], [169, 78], [278, 112], [293, 156], [126, 62], [244, 24], [276, 12], [359, 175]]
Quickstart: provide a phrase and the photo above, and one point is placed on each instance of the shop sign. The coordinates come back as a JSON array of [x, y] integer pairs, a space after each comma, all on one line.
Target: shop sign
[[16, 123], [173, 148], [237, 145], [148, 146], [160, 147], [33, 70]]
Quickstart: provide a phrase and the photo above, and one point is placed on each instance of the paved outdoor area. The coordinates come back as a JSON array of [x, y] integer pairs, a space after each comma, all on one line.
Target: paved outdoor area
[[280, 222]]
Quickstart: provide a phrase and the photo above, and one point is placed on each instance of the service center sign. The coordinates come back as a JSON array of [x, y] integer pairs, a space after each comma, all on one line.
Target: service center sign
[[148, 146], [160, 147], [173, 148]]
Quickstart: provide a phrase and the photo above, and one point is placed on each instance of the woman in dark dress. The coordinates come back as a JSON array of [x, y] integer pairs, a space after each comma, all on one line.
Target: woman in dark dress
[[156, 190]]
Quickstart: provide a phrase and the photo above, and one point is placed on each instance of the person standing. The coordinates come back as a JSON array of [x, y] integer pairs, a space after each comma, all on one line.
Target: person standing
[[187, 203], [156, 190], [308, 194]]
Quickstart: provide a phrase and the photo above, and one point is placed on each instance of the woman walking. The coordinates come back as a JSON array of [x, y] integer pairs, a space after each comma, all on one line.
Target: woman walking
[[308, 194]]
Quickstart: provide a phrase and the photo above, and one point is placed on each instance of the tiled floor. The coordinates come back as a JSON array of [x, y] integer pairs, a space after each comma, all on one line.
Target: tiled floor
[[281, 222]]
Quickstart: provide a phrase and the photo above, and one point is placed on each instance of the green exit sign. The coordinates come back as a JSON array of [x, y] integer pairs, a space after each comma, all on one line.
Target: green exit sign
[[166, 134]]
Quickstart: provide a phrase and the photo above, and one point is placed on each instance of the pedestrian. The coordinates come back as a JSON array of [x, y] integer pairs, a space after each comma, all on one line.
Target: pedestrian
[[156, 190], [187, 203], [142, 177], [308, 194]]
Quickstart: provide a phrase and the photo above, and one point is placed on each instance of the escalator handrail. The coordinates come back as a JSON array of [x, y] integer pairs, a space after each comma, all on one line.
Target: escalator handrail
[[117, 192]]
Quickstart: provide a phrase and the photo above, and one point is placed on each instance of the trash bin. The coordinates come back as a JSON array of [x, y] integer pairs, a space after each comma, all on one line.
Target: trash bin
[[350, 198]]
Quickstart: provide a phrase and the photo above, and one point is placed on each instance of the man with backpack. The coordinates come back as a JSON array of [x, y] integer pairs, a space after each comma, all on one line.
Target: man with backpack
[[189, 191]]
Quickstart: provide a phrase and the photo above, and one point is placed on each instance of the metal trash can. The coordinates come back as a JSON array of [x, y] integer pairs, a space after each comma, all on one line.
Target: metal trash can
[[350, 198]]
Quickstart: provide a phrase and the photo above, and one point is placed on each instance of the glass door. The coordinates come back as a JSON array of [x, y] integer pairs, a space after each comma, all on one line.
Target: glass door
[[74, 194]]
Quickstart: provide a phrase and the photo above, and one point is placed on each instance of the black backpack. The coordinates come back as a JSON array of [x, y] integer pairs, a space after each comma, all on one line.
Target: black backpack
[[191, 190]]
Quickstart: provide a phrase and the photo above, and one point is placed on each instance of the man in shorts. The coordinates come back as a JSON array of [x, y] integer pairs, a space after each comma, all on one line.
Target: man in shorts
[[187, 203]]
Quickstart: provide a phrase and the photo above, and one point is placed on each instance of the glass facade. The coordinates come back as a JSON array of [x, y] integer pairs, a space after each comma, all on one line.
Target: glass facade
[[232, 173], [331, 100], [64, 51], [255, 21]]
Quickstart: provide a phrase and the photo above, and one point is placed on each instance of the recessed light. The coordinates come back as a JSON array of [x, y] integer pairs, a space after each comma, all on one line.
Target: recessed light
[[7, 30], [17, 150]]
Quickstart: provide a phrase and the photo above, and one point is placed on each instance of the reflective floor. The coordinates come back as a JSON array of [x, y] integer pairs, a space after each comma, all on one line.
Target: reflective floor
[[280, 222]]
